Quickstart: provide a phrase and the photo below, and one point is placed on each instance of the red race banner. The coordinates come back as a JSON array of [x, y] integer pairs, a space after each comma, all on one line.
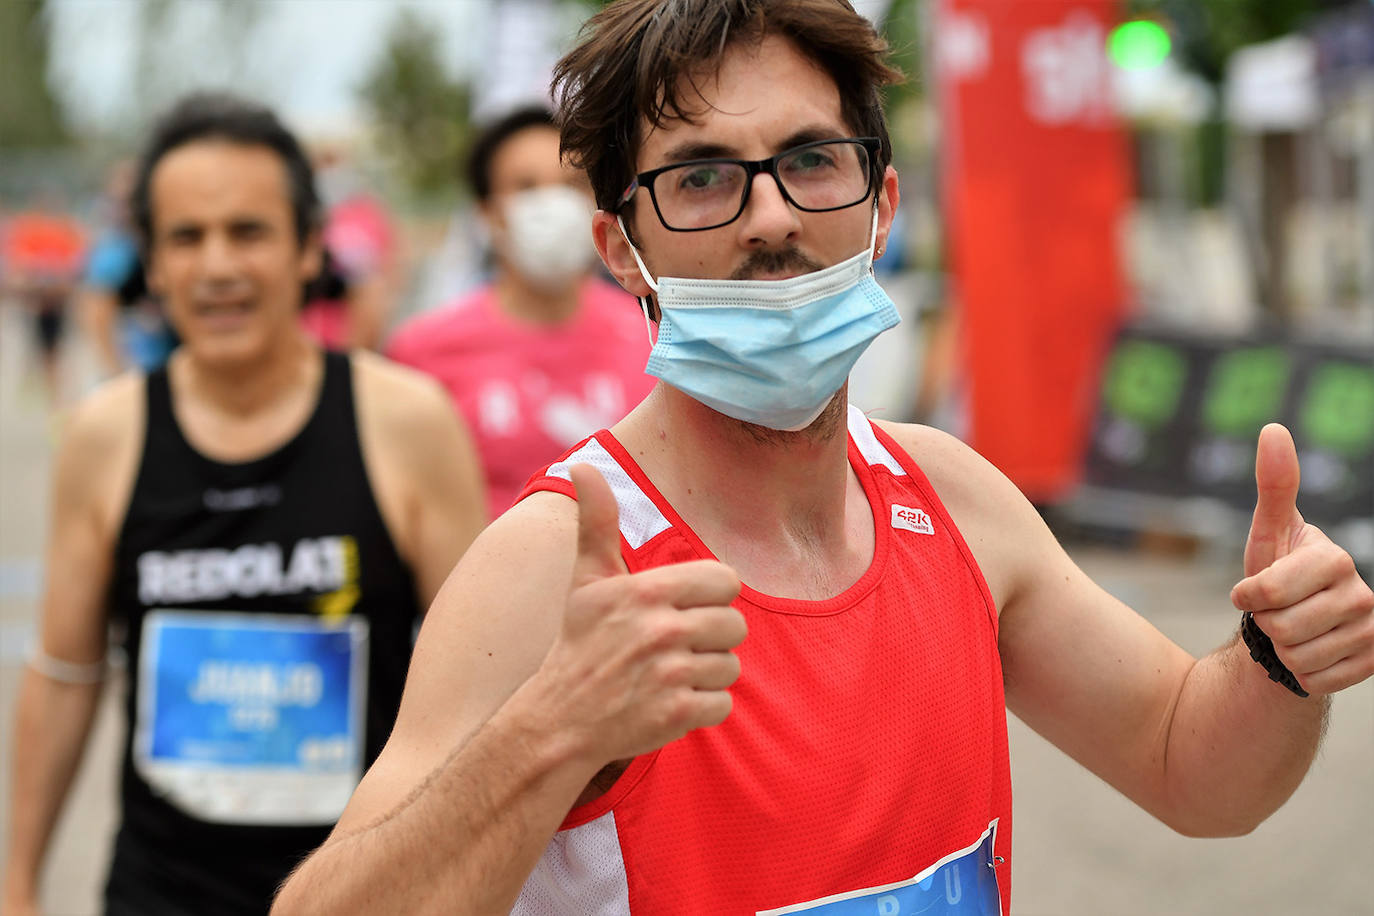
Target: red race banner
[[1035, 183]]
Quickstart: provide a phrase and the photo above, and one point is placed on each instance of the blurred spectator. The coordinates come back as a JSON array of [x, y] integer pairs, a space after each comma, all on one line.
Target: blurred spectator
[[123, 319], [265, 520], [546, 354], [349, 303], [42, 252]]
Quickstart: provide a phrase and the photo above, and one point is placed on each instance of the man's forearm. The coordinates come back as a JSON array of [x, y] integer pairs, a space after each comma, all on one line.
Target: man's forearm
[[52, 721], [466, 839], [1238, 745]]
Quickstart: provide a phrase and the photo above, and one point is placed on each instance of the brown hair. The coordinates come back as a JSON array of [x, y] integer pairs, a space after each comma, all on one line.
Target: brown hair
[[634, 54]]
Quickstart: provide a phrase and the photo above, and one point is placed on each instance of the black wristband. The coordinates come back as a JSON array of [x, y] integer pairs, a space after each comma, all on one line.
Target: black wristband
[[1262, 650]]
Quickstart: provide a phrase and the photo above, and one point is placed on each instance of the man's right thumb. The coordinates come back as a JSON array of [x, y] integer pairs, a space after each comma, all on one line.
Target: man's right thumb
[[598, 527]]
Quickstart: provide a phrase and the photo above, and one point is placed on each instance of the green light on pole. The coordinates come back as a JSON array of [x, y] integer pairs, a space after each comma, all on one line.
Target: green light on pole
[[1138, 45]]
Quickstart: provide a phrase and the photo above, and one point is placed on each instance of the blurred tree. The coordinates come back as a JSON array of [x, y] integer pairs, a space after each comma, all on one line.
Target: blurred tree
[[1208, 32], [902, 27], [150, 96], [29, 113], [419, 112], [182, 47]]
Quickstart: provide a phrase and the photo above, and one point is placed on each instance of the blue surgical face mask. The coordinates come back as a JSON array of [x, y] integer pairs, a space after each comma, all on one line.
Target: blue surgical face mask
[[769, 352]]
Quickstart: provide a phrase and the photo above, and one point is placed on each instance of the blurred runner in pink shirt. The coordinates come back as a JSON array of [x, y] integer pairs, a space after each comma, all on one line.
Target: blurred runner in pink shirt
[[348, 304], [545, 354]]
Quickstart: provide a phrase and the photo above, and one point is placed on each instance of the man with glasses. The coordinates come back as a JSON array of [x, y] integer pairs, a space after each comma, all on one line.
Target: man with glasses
[[586, 728]]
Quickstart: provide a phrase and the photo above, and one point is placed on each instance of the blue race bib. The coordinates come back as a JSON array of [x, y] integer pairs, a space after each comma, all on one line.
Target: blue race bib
[[252, 718], [963, 883]]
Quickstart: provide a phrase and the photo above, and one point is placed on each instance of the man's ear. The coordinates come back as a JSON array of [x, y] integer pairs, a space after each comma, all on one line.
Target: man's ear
[[152, 274], [491, 217], [615, 253], [312, 256], [888, 197]]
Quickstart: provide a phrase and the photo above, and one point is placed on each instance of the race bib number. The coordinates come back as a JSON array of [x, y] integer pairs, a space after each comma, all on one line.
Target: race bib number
[[252, 718], [963, 883]]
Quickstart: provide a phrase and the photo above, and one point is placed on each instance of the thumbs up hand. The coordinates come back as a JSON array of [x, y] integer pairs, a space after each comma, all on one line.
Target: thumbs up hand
[[1303, 590], [643, 658]]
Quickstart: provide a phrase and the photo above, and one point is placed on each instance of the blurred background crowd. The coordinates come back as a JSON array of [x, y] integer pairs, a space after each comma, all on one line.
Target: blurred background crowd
[[1131, 233]]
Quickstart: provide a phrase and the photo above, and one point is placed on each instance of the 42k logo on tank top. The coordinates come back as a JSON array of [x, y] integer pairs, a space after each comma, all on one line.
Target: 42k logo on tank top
[[326, 566], [911, 519]]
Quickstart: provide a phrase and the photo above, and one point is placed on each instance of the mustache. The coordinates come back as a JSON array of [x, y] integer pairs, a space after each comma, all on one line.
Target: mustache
[[770, 260]]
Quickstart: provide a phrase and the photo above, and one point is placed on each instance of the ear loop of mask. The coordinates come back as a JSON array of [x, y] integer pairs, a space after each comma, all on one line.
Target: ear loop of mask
[[873, 236], [643, 272]]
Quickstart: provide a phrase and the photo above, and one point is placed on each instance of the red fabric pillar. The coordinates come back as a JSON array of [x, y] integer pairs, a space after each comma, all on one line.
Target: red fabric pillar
[[1036, 179]]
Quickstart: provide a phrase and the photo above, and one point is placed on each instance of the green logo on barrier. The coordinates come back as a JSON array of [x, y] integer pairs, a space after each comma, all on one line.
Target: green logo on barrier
[[1144, 381], [1338, 410], [1245, 390]]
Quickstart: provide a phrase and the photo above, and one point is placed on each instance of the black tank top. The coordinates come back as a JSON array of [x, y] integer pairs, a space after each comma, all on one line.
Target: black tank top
[[269, 627]]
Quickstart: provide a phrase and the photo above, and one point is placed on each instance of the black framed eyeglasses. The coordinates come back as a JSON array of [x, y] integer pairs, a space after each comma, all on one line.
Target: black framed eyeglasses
[[709, 193]]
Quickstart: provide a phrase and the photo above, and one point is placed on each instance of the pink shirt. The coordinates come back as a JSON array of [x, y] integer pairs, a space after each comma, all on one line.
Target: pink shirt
[[528, 392], [359, 237]]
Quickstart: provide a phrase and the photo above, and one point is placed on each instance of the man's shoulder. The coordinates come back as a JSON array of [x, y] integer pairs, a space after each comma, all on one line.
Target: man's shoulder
[[408, 397], [527, 549], [926, 443], [112, 413], [409, 431], [101, 442], [545, 521], [1000, 527], [964, 479]]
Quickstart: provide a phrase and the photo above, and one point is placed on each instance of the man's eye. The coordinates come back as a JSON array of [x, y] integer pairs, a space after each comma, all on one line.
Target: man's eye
[[810, 160], [700, 179]]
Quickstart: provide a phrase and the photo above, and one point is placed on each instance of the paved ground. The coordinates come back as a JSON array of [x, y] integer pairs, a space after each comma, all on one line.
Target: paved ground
[[1081, 850]]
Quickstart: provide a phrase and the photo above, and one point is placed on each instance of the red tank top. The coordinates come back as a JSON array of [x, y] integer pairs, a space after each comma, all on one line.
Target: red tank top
[[864, 768]]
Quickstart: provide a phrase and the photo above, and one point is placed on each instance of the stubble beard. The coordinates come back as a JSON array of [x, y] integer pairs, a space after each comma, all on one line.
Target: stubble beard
[[822, 429]]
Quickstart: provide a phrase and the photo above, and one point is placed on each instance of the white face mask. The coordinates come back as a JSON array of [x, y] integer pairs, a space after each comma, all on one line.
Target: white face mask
[[549, 235]]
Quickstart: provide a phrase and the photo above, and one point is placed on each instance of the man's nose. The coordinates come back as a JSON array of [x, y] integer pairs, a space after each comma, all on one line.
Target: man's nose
[[217, 256], [768, 218]]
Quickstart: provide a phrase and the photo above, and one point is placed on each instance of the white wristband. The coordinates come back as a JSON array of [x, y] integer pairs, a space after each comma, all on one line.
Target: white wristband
[[65, 672]]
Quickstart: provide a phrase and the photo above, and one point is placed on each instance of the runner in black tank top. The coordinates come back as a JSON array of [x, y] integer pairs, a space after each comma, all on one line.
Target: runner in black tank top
[[293, 539], [269, 595]]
